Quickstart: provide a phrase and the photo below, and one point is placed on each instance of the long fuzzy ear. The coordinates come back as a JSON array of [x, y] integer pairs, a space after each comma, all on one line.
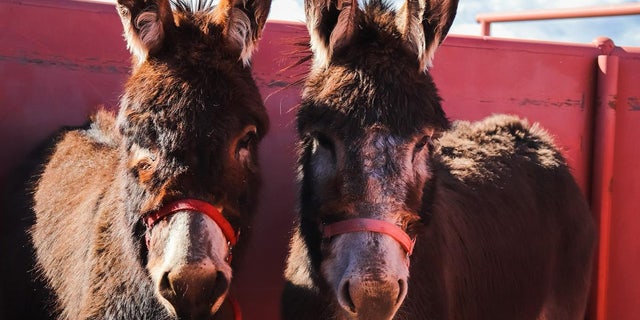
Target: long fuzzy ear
[[145, 24], [424, 24], [331, 25], [243, 22]]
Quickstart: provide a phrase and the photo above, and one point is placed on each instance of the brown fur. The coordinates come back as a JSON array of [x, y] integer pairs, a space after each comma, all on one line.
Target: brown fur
[[181, 132], [503, 231]]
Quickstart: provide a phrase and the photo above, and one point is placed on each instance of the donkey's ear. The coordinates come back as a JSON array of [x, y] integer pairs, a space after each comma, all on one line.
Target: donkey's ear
[[331, 25], [424, 24], [145, 25], [242, 22]]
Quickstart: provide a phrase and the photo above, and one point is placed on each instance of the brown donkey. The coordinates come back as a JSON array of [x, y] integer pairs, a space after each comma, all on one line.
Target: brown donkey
[[137, 216], [405, 216]]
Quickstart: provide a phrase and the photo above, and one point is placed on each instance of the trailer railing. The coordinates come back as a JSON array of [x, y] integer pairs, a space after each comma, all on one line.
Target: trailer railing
[[485, 19]]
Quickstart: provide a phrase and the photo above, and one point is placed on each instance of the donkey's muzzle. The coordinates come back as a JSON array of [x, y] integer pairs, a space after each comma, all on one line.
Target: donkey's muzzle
[[371, 299], [194, 290]]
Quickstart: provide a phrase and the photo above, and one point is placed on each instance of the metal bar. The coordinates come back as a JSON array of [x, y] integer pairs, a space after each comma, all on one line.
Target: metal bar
[[485, 19], [603, 167], [485, 27]]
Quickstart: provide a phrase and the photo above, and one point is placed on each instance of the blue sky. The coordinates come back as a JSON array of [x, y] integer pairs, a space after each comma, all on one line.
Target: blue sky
[[625, 31]]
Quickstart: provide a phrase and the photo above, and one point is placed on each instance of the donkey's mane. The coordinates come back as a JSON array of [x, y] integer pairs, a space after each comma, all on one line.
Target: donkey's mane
[[193, 6]]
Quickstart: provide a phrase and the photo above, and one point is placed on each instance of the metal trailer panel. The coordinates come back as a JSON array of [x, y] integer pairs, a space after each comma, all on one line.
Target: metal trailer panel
[[59, 60], [622, 294], [543, 82], [260, 282]]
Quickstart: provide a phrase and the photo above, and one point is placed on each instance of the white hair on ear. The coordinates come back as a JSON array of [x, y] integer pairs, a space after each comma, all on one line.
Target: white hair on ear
[[150, 36], [134, 44], [151, 29], [410, 20], [318, 47], [414, 34], [240, 34], [320, 53], [416, 38], [426, 58]]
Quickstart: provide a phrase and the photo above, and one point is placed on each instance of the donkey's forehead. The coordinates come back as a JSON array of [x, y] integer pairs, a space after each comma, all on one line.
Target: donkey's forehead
[[383, 135], [208, 93], [371, 91], [357, 122], [173, 121]]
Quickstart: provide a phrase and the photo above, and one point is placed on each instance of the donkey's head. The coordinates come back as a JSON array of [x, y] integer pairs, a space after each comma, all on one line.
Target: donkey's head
[[191, 117], [368, 114]]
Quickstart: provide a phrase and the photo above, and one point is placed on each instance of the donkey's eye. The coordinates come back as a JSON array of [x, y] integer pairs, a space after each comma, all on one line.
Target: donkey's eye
[[144, 170], [426, 140], [246, 141], [144, 165], [142, 161], [246, 144], [320, 139]]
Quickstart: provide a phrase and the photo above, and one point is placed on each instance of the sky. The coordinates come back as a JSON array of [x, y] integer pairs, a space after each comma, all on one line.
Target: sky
[[624, 30]]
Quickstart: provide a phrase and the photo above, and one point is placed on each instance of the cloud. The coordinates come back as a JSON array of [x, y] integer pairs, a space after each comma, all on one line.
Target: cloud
[[287, 10], [623, 30]]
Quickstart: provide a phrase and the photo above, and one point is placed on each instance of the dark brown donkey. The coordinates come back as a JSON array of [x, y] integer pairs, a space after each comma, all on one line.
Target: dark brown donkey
[[137, 216], [405, 216]]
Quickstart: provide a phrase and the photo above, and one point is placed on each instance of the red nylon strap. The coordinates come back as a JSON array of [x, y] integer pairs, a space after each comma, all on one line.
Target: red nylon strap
[[194, 205], [235, 306], [372, 225]]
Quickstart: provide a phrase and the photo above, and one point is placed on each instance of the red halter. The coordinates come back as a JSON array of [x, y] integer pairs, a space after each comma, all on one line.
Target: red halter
[[199, 206], [372, 225], [235, 306], [211, 212]]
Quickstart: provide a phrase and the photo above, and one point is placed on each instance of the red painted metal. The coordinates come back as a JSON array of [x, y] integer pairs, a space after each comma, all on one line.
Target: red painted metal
[[623, 280], [544, 82], [60, 59], [486, 19], [259, 283], [604, 143]]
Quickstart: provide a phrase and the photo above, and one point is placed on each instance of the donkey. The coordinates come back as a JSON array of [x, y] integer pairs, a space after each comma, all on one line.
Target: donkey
[[137, 216], [404, 215]]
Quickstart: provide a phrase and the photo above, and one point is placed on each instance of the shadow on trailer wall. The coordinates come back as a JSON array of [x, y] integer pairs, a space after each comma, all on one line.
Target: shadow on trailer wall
[[61, 59]]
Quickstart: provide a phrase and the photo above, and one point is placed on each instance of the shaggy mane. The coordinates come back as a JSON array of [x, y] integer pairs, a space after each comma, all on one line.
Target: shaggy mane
[[193, 6]]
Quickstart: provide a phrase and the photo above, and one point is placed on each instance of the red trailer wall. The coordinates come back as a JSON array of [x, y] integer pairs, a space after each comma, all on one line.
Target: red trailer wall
[[546, 83], [60, 59], [619, 282]]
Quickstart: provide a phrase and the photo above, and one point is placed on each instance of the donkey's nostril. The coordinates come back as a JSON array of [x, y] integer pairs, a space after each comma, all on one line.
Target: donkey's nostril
[[371, 299], [165, 289], [402, 292], [220, 286], [344, 297]]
